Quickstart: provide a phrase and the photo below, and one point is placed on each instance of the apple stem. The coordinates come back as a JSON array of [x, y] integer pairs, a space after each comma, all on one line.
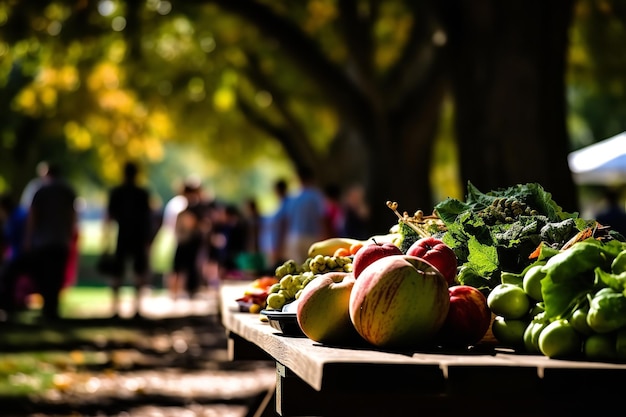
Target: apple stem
[[419, 215]]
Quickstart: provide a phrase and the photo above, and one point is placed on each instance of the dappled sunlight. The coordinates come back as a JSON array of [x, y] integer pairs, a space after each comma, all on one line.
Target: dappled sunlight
[[172, 363]]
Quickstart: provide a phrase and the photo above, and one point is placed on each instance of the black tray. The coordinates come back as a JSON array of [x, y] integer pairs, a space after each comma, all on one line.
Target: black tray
[[286, 323]]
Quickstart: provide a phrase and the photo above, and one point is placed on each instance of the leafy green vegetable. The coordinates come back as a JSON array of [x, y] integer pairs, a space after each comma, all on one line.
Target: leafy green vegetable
[[619, 263], [582, 257], [616, 282], [573, 274], [560, 299], [487, 244], [469, 276], [408, 236]]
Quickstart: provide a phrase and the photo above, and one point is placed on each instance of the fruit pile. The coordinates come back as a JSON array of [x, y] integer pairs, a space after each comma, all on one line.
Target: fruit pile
[[395, 300], [254, 298], [293, 278], [554, 284]]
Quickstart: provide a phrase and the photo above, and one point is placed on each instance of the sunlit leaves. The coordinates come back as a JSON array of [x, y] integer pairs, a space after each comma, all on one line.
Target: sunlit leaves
[[320, 13], [392, 31], [597, 109], [42, 94], [77, 136], [224, 99]]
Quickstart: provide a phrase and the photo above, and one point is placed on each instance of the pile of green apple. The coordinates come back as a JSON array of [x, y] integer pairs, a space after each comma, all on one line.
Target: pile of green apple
[[395, 300], [568, 305]]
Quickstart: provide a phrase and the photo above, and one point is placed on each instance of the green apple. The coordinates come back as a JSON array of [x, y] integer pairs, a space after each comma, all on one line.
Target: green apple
[[509, 301], [532, 282], [323, 309], [509, 332], [559, 339]]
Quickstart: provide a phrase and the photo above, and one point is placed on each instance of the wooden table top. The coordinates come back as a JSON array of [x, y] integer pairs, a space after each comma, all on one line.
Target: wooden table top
[[324, 367]]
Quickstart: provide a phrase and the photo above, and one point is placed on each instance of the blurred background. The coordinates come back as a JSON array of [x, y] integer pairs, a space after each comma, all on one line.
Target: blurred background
[[410, 99]]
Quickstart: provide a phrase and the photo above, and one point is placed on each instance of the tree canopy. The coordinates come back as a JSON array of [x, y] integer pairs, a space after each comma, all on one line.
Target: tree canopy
[[376, 92]]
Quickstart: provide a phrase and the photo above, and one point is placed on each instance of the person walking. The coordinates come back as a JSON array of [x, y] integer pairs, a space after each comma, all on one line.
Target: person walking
[[13, 221], [34, 184], [51, 227], [274, 228], [305, 213], [356, 213], [129, 207], [334, 213], [186, 275]]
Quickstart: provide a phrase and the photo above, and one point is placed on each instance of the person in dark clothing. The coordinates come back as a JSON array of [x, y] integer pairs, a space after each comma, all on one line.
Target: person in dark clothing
[[13, 219], [227, 238], [50, 228], [613, 215], [129, 206], [356, 213], [187, 271]]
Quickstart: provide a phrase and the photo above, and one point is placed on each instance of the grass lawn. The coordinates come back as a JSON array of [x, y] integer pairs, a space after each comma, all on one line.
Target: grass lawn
[[92, 302]]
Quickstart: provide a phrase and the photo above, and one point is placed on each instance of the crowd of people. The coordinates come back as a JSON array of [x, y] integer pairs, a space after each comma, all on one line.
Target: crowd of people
[[311, 213], [211, 239]]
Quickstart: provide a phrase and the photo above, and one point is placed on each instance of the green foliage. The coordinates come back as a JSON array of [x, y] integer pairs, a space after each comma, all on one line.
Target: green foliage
[[596, 77], [408, 236], [488, 248]]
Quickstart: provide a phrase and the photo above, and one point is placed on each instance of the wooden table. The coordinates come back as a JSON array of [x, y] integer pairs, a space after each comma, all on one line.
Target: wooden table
[[317, 380]]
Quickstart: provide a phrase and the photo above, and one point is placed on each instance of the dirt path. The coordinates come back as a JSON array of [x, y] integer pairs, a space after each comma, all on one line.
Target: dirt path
[[172, 363]]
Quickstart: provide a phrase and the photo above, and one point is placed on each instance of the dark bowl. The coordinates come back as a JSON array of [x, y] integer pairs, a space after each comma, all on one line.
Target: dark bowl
[[286, 323]]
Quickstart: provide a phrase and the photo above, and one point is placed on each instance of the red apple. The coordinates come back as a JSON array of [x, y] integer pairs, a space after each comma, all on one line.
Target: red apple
[[370, 253], [399, 301], [323, 311], [436, 252], [468, 317]]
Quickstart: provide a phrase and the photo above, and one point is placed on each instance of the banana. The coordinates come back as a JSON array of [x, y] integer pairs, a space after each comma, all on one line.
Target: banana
[[380, 239], [327, 247]]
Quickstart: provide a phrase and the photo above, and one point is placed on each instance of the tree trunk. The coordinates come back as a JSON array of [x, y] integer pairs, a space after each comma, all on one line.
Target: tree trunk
[[507, 62]]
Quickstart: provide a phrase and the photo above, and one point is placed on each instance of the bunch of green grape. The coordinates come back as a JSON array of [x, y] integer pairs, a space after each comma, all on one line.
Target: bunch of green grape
[[287, 289], [506, 210], [321, 264], [291, 267], [294, 277]]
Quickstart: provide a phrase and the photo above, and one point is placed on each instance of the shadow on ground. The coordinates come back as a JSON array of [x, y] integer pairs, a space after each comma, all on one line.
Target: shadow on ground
[[155, 366]]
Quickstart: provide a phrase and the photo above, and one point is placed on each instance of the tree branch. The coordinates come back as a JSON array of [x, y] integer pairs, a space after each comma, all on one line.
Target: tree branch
[[330, 78], [293, 128], [415, 64]]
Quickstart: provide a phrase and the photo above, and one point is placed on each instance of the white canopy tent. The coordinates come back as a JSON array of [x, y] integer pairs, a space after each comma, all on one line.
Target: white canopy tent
[[603, 163]]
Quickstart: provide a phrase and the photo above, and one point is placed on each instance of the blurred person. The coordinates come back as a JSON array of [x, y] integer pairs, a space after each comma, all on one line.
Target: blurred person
[[129, 207], [186, 273], [356, 213], [13, 220], [274, 227], [304, 217], [51, 228], [613, 214], [228, 240], [252, 259], [33, 185], [164, 245], [333, 214], [14, 283], [51, 237], [25, 201]]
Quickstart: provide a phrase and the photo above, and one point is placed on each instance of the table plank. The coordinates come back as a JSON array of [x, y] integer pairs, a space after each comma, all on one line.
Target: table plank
[[315, 379]]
